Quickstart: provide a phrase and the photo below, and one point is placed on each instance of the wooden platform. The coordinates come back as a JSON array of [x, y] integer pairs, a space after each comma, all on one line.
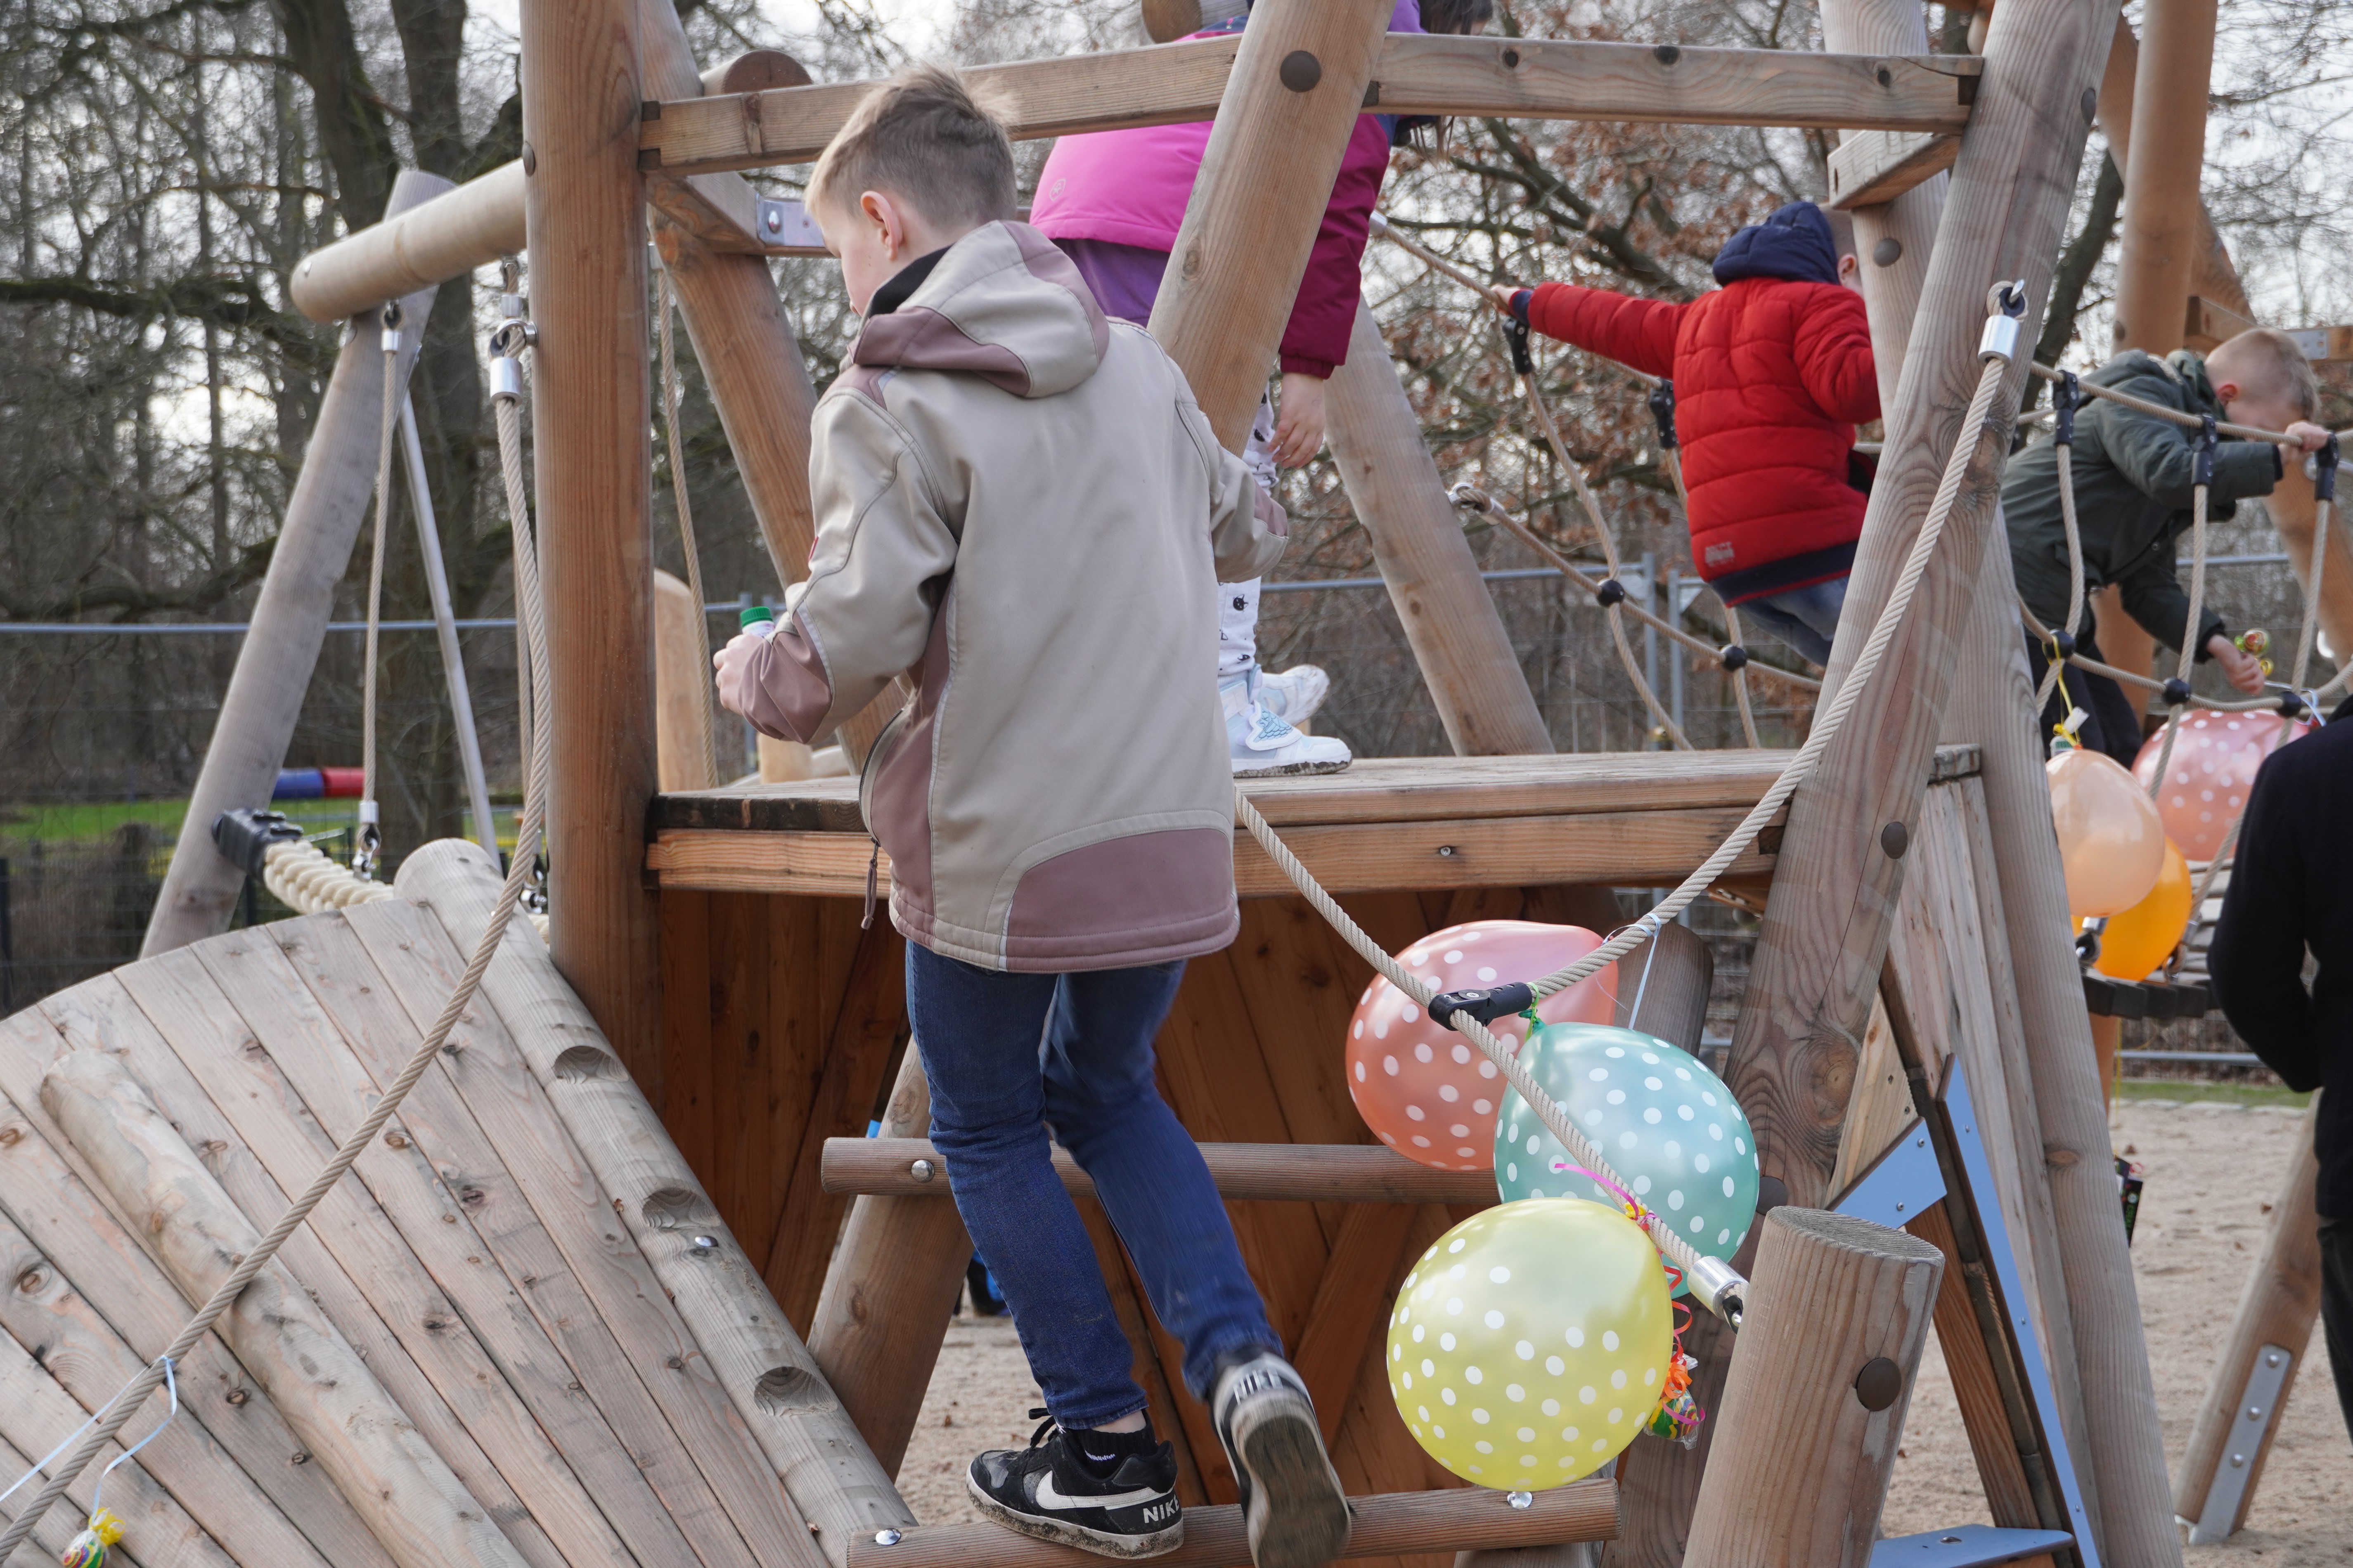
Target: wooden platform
[[1419, 823]]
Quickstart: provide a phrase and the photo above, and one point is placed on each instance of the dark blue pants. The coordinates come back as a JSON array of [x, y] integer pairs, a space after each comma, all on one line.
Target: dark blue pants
[[1013, 1057], [2113, 726], [2337, 1307]]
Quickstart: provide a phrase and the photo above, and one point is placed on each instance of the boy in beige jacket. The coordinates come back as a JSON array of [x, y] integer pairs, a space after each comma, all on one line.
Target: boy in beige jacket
[[1018, 504]]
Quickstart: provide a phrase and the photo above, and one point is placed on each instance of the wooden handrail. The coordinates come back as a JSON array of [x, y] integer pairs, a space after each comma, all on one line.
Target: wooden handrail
[[1312, 1173]]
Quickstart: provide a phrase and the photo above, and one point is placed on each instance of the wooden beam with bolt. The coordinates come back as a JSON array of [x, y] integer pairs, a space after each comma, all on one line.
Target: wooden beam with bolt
[[1869, 167], [1539, 79]]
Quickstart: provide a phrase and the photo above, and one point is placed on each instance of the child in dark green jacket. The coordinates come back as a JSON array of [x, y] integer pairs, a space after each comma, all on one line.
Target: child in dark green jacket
[[2134, 475]]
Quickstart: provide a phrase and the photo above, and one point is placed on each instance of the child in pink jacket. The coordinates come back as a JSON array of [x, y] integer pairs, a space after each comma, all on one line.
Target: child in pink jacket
[[1113, 201]]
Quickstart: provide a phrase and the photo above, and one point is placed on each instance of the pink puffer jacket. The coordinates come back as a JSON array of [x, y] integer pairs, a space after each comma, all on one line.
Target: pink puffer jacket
[[1130, 187]]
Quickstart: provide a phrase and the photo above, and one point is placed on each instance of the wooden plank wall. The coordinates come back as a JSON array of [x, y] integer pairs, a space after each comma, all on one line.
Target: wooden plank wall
[[784, 1024]]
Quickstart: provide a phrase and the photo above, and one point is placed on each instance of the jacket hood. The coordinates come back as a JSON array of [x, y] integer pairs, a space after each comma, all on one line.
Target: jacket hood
[[1794, 244], [1003, 303]]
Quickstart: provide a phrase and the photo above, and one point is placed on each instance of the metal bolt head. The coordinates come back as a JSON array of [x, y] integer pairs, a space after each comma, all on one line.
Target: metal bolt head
[[2272, 1358], [887, 1538], [1300, 70], [2237, 1460], [1878, 1384], [2254, 1412], [922, 1170], [705, 1244], [1522, 1500]]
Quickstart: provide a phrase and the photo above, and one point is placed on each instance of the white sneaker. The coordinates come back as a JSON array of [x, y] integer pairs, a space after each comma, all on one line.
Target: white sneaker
[[1293, 695], [1262, 745]]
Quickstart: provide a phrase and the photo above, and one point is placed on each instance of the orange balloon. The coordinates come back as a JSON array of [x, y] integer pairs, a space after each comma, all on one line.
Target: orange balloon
[[2215, 756], [2110, 840], [2141, 938], [1425, 1090]]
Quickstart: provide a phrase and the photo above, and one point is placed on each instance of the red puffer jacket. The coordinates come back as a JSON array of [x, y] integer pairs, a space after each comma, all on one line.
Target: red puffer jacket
[[1771, 377]]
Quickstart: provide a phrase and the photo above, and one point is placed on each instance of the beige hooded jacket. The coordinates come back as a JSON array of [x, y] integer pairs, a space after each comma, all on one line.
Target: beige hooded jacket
[[1019, 503]]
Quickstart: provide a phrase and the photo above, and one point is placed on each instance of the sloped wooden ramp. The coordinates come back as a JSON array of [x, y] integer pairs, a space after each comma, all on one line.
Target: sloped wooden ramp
[[536, 1285]]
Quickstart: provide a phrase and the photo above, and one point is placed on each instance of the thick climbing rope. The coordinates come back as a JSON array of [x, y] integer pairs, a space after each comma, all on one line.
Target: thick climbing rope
[[1662, 406], [2065, 398], [1714, 1283], [370, 839], [118, 1410], [703, 690]]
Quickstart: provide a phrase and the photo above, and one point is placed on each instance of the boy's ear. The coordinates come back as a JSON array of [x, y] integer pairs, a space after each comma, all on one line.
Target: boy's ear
[[2228, 391]]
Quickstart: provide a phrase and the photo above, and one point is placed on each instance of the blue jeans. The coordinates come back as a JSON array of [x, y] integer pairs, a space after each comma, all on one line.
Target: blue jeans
[[1806, 618], [1012, 1057]]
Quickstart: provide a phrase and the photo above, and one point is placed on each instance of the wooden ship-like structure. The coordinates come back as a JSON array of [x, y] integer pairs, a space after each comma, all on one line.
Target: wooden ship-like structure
[[625, 1284]]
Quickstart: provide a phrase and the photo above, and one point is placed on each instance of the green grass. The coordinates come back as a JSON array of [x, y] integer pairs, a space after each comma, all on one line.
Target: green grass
[[2190, 1091]]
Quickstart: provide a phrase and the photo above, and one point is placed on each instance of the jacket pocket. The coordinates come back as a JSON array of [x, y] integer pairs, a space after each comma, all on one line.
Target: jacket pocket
[[876, 756]]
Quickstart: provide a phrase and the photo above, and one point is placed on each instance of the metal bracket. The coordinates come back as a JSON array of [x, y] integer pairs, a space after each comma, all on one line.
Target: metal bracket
[[1965, 1546], [2258, 1408], [1905, 1182]]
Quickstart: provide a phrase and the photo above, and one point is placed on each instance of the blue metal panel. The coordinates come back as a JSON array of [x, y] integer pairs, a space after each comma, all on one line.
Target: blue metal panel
[[1905, 1181], [1965, 1546]]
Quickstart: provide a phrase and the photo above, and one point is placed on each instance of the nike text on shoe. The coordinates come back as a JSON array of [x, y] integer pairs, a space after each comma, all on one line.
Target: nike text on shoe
[[1263, 746], [1047, 1491], [1292, 695], [1292, 1500]]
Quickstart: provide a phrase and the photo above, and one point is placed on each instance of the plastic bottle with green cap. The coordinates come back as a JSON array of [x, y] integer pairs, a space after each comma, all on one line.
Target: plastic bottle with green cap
[[758, 621]]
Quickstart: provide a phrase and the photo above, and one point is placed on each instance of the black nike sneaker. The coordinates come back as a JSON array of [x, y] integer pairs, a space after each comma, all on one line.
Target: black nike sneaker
[[1046, 1491], [1298, 1516]]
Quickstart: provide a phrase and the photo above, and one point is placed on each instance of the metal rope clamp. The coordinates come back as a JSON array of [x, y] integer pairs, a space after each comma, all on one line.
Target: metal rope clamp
[[1515, 332], [391, 327], [2208, 439], [2066, 397], [2005, 309]]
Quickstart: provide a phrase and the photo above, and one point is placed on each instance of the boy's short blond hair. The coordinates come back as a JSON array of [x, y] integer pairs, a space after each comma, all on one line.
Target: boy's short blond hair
[[924, 136], [2269, 365]]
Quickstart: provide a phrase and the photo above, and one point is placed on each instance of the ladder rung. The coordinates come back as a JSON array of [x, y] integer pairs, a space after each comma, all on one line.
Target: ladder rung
[[1467, 1518], [1312, 1173]]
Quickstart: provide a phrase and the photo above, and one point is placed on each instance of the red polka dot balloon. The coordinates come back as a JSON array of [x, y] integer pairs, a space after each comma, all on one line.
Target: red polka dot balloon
[[1425, 1090], [2215, 756]]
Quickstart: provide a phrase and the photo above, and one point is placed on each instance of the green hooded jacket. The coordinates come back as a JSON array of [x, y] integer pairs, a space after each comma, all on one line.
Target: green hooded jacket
[[2134, 477]]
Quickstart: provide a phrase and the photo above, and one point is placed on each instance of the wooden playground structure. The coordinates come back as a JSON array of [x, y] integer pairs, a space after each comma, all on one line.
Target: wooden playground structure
[[624, 1283]]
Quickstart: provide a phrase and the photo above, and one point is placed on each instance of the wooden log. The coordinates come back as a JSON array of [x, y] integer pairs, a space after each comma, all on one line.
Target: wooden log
[[1663, 987], [755, 70], [1871, 168], [890, 1290], [1535, 79], [746, 344], [2157, 256], [264, 700], [93, 1349], [417, 245], [1298, 79], [1838, 1313], [1449, 619], [775, 1387], [2275, 1319], [1443, 1521], [591, 457], [1244, 1173], [411, 1502], [681, 688]]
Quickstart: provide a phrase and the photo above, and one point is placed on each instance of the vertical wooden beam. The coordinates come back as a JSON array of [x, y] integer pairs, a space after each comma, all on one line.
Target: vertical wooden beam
[[2158, 256], [2275, 1314], [591, 419], [1297, 87], [1838, 1315], [281, 651], [681, 688], [890, 1291], [1452, 623]]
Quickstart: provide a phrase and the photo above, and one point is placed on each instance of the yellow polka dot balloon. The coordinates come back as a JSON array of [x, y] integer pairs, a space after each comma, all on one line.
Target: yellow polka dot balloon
[[1530, 1344]]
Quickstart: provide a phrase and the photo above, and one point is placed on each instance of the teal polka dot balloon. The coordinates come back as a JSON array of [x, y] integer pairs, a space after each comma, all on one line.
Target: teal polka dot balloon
[[1667, 1125]]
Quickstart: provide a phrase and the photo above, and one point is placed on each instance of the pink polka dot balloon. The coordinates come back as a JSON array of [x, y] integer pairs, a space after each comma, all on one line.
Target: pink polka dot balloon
[[2215, 756], [1425, 1090]]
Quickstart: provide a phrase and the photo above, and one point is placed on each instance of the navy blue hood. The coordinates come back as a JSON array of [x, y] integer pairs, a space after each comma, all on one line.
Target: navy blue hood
[[1793, 244]]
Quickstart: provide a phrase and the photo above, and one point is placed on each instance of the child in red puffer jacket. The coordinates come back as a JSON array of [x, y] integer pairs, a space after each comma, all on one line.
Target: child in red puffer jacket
[[1772, 373]]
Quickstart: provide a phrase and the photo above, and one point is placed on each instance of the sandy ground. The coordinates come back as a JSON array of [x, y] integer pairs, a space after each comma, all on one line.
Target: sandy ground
[[2210, 1171]]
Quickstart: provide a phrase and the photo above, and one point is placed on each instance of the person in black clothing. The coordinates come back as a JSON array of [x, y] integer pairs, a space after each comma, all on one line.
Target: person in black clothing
[[2292, 890]]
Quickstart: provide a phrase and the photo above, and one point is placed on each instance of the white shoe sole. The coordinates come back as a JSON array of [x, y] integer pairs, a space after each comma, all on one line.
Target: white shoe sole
[[1285, 770], [1298, 1514], [1040, 1527]]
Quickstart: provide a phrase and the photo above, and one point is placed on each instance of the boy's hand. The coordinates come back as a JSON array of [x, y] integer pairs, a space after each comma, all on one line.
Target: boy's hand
[[732, 666], [1299, 419], [2308, 436], [2245, 671], [1502, 294]]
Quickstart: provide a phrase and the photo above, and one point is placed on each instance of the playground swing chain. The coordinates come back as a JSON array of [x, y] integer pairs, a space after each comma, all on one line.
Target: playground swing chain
[[101, 1428], [1714, 1283]]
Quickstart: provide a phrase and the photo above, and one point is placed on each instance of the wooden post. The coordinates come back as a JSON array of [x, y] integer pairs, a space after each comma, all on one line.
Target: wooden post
[[1298, 84], [2157, 259], [409, 252], [281, 651], [681, 688], [592, 425], [746, 344], [1457, 637], [1669, 975], [890, 1291], [411, 1503], [1838, 1313], [1819, 961], [2260, 1361]]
